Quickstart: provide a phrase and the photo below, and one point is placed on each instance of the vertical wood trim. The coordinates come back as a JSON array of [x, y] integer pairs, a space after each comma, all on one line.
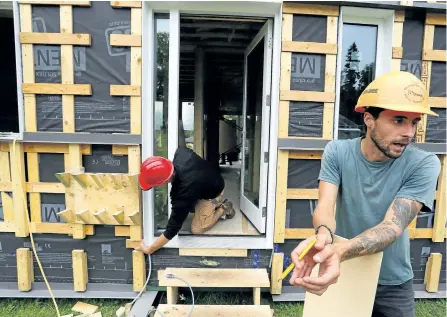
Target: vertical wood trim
[[135, 73], [5, 176], [286, 66], [281, 196], [69, 199], [19, 189], [139, 270], [134, 159], [440, 212], [75, 165], [332, 27], [284, 111], [256, 295], [433, 272], [397, 42], [33, 176], [24, 269], [328, 120], [80, 272], [277, 268], [67, 69], [287, 27], [29, 100]]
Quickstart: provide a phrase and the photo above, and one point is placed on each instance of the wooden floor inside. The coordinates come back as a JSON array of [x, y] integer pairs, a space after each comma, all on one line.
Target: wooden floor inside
[[239, 225]]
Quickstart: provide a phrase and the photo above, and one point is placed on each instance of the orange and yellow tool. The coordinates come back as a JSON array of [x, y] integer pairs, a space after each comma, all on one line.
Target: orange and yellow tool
[[300, 257]]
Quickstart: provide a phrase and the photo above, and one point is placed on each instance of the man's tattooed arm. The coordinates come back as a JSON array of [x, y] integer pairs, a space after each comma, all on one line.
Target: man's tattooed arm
[[399, 216]]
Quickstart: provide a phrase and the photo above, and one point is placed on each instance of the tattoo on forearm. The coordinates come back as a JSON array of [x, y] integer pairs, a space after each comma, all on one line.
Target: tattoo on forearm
[[404, 212], [372, 241]]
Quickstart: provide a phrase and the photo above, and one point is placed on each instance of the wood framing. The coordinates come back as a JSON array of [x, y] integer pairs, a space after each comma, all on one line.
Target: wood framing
[[281, 196], [57, 89], [139, 270], [435, 19], [312, 9], [125, 90], [277, 269], [49, 2], [433, 272], [25, 273], [67, 68], [308, 47], [439, 230], [125, 40], [54, 38], [125, 4], [80, 273], [19, 189], [238, 253]]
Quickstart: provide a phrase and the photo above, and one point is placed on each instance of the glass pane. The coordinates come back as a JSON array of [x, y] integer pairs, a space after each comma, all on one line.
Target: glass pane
[[253, 121], [186, 130], [359, 67], [161, 113]]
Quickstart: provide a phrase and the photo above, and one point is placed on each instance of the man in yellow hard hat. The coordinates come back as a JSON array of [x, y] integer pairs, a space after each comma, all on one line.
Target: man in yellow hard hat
[[378, 183]]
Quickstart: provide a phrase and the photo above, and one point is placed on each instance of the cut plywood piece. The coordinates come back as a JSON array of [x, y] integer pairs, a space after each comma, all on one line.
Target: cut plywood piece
[[214, 311], [358, 280], [198, 277], [84, 308], [54, 38], [239, 253], [57, 89]]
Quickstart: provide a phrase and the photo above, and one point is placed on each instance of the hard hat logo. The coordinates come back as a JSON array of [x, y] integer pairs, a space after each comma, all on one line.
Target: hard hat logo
[[414, 93]]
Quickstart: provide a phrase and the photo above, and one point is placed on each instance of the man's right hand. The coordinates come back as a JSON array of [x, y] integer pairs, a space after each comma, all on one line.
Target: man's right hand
[[144, 248]]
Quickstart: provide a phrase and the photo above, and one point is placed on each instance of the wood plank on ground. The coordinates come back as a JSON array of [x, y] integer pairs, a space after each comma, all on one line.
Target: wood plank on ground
[[215, 310]]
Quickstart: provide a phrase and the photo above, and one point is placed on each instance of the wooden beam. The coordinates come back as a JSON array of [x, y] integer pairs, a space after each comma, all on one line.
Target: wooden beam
[[125, 4], [75, 165], [25, 273], [139, 270], [281, 196], [297, 193], [7, 226], [8, 209], [332, 30], [125, 40], [57, 89], [39, 187], [19, 189], [125, 90], [306, 155], [122, 231], [133, 244], [283, 127], [54, 38], [310, 9], [29, 100], [286, 65], [49, 2], [435, 19], [135, 72], [309, 47], [58, 228], [67, 69], [256, 295], [298, 233], [287, 27], [235, 253], [277, 269], [60, 148], [441, 212], [434, 272], [434, 55], [33, 177], [316, 96], [120, 149], [80, 272], [437, 102], [134, 159]]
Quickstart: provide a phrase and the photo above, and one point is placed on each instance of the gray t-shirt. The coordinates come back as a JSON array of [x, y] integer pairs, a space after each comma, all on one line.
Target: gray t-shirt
[[367, 189]]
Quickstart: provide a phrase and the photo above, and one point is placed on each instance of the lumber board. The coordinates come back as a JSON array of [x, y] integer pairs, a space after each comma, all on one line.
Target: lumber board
[[24, 269], [139, 270], [281, 196], [33, 176], [8, 210], [257, 296], [125, 90], [133, 244], [6, 186], [54, 38], [310, 9], [67, 69], [125, 4], [120, 149], [309, 47], [84, 308], [305, 155], [283, 127], [40, 187], [215, 310], [437, 102], [75, 165], [434, 55], [435, 19], [298, 193], [58, 228], [135, 72], [122, 231], [199, 277], [57, 148], [125, 40], [80, 273], [298, 233], [26, 25], [398, 52], [134, 159], [441, 212], [7, 226], [399, 16], [57, 89], [434, 272], [19, 189], [316, 96], [332, 28], [277, 269], [286, 65], [5, 172], [238, 253], [287, 27], [50, 2]]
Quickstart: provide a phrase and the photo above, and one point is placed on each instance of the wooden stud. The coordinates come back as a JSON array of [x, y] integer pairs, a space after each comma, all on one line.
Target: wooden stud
[[7, 226], [58, 228], [120, 149], [435, 19], [437, 102], [49, 2], [286, 66], [54, 38], [256, 295], [312, 9], [434, 55], [434, 272], [39, 187], [315, 96], [171, 295], [281, 196], [75, 166], [283, 129], [139, 270], [298, 193], [125, 90], [19, 189], [134, 159], [67, 69], [399, 16], [287, 27], [29, 100], [125, 40], [24, 269], [234, 253], [8, 210], [298, 233], [133, 244], [332, 29], [277, 268], [55, 148], [306, 155], [31, 267], [33, 176], [135, 72], [57, 89], [125, 4], [80, 272], [69, 196], [309, 47], [441, 213], [122, 231]]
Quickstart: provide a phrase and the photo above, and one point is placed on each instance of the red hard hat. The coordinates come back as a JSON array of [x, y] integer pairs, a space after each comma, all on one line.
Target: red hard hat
[[155, 171]]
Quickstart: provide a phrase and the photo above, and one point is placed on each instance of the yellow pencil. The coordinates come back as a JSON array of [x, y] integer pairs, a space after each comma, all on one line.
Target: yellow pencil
[[300, 257]]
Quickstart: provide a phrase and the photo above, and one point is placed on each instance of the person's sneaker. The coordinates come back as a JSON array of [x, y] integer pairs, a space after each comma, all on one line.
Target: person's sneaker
[[229, 211]]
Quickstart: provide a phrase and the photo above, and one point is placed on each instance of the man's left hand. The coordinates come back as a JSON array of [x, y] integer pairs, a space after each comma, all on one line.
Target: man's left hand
[[144, 248]]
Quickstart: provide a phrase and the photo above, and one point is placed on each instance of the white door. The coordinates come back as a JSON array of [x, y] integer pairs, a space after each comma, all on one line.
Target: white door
[[256, 120]]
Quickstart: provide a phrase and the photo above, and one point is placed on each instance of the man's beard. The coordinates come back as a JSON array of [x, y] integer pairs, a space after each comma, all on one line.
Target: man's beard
[[383, 147]]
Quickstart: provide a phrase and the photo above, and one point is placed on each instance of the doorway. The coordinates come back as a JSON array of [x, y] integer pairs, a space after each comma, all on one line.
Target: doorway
[[224, 93]]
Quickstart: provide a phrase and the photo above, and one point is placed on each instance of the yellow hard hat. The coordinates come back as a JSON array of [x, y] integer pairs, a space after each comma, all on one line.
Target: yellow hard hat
[[398, 91]]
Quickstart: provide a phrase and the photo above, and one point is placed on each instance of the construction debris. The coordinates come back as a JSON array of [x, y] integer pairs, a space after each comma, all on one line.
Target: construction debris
[[85, 309]]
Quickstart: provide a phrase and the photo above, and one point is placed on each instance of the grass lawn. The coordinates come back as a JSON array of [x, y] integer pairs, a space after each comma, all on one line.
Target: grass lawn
[[44, 308]]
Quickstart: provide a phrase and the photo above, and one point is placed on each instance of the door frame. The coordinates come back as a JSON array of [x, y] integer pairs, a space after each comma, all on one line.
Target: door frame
[[260, 8]]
